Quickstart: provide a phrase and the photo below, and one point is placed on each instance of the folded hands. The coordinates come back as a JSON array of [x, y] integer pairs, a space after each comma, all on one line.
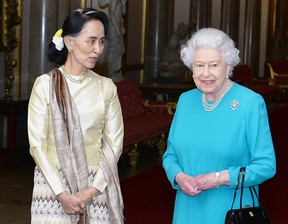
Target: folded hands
[[195, 185]]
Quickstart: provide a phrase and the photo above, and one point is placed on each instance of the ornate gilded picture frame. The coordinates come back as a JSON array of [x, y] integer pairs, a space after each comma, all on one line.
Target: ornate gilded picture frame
[[10, 44], [2, 48]]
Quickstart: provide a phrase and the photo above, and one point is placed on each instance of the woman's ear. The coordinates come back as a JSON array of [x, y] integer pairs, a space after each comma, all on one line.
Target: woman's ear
[[68, 41], [228, 71]]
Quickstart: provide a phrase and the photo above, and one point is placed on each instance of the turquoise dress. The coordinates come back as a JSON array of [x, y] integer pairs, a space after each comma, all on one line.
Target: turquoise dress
[[235, 134]]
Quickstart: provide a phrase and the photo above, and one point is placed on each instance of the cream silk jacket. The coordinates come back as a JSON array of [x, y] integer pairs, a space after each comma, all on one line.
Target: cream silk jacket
[[100, 116]]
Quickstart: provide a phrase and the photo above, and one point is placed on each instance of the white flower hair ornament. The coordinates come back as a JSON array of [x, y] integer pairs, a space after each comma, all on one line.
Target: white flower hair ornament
[[58, 40]]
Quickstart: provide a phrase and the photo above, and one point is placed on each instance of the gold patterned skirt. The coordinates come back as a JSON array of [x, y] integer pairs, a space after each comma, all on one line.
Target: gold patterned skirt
[[46, 209]]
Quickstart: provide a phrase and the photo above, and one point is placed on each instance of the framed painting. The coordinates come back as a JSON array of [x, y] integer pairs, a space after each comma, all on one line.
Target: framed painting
[[2, 26], [10, 44]]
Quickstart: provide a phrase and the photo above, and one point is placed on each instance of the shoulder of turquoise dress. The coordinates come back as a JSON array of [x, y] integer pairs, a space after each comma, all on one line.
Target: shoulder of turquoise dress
[[243, 89], [243, 99], [190, 93], [245, 93]]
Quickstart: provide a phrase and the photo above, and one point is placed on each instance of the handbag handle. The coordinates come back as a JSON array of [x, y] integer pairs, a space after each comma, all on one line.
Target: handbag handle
[[251, 189], [237, 185]]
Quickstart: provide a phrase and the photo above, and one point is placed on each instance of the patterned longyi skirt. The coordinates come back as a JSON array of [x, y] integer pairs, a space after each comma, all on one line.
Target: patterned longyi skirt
[[46, 209]]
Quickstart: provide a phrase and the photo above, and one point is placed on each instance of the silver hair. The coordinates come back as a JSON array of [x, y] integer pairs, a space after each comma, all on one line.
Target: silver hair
[[214, 38]]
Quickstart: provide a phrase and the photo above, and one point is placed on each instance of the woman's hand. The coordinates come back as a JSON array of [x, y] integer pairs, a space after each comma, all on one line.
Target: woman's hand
[[205, 181], [187, 184], [86, 196], [71, 204], [210, 181]]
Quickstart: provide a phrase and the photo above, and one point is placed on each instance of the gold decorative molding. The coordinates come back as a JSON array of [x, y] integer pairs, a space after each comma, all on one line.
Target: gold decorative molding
[[11, 17], [143, 40], [83, 3]]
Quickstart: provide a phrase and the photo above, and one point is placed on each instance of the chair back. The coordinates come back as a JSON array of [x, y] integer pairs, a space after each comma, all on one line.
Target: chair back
[[130, 98]]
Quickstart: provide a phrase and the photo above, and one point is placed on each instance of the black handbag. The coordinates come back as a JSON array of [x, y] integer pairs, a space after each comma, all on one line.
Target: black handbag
[[246, 215]]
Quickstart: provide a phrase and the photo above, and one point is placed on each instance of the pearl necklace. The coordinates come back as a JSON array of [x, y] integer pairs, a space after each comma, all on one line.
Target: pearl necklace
[[72, 79], [209, 107]]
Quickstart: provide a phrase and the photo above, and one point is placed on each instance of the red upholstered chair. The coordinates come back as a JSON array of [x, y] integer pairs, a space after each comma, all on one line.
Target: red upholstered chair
[[143, 123], [279, 72], [242, 74]]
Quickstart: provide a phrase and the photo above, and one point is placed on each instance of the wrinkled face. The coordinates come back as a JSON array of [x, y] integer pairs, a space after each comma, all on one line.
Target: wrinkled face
[[209, 71], [88, 45]]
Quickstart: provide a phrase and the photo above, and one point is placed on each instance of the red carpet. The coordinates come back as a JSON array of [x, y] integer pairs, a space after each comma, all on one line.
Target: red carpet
[[273, 193], [149, 198]]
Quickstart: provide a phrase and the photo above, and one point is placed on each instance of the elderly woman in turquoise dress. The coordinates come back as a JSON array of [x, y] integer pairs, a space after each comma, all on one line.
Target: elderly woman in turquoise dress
[[218, 127]]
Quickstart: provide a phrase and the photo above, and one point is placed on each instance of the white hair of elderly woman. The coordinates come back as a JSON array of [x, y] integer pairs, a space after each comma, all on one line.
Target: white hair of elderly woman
[[214, 38]]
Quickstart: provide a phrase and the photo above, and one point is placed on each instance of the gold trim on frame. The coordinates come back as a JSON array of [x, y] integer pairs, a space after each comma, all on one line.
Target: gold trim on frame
[[143, 39], [274, 2], [83, 3], [18, 53], [10, 41], [2, 25]]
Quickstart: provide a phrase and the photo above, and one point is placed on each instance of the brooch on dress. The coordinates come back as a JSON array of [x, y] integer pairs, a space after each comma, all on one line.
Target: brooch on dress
[[234, 104]]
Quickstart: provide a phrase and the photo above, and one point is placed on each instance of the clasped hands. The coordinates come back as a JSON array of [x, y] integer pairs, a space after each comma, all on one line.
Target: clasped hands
[[76, 204], [195, 185]]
